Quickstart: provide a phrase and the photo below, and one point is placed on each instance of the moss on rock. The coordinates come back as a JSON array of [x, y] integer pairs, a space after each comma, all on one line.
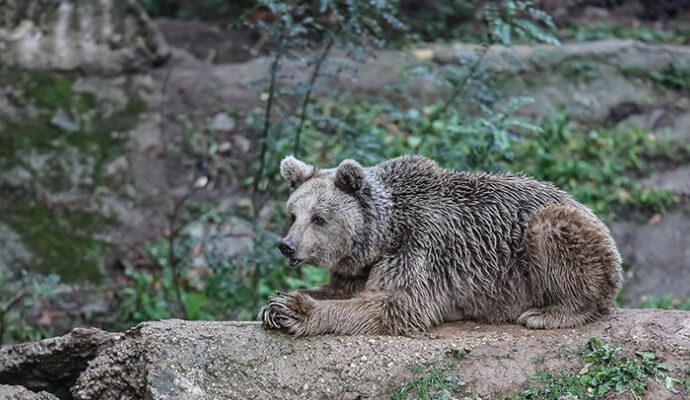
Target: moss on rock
[[53, 152]]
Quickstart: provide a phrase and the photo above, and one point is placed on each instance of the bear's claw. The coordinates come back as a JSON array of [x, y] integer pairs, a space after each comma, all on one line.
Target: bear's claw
[[286, 311]]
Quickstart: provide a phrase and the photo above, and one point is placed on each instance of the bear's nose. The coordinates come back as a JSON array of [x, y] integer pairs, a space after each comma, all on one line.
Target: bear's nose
[[286, 247]]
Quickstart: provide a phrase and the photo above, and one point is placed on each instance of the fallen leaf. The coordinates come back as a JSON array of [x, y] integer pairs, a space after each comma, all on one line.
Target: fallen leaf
[[656, 218]]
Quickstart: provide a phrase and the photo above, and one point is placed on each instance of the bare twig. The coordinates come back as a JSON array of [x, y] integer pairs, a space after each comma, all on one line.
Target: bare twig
[[172, 259], [13, 302], [307, 96], [4, 309], [275, 67], [458, 91], [163, 106], [178, 203], [173, 262]]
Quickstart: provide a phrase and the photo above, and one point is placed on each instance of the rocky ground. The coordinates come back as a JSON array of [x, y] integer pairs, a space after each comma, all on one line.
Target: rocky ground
[[208, 360]]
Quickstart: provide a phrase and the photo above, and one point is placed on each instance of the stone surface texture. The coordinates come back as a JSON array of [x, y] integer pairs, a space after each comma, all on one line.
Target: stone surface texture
[[52, 364], [176, 359], [8, 392], [239, 360], [108, 36]]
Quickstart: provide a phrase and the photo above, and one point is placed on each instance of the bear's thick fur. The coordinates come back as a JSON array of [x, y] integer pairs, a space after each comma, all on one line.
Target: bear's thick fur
[[410, 245]]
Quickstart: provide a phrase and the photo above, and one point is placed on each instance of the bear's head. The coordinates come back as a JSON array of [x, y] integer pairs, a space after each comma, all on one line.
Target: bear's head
[[333, 215]]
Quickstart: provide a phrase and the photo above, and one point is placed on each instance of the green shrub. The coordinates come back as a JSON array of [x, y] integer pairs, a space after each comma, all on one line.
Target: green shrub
[[643, 34], [437, 384], [598, 167], [606, 373], [175, 286]]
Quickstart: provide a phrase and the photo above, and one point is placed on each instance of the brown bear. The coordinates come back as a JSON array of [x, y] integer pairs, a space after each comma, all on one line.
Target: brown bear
[[410, 245]]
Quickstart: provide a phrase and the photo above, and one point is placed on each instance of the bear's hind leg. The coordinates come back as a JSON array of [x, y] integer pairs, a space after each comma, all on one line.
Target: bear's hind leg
[[574, 268], [554, 317]]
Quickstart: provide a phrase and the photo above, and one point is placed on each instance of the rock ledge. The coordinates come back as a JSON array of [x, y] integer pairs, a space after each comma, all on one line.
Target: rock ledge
[[176, 359]]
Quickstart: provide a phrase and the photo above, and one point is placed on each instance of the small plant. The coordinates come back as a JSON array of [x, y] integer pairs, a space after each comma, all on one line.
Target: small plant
[[438, 384], [606, 372], [458, 354], [647, 35], [674, 76], [666, 303]]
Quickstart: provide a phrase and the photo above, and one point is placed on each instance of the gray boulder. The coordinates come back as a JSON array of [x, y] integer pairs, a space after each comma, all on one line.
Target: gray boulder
[[8, 392], [108, 36], [52, 364], [658, 253]]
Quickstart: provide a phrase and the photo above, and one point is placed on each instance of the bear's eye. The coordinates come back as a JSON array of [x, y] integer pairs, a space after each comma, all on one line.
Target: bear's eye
[[318, 221]]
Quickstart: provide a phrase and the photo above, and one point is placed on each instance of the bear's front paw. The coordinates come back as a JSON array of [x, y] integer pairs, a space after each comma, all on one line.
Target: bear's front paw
[[287, 311]]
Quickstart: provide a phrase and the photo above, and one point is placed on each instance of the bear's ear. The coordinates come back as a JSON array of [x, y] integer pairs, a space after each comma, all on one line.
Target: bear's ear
[[349, 176], [296, 172]]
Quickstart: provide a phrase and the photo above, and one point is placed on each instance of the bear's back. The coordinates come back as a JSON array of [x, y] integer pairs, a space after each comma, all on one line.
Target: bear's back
[[415, 181], [472, 215]]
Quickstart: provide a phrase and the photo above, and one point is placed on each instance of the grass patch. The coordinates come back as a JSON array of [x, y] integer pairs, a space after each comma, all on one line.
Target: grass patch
[[48, 91], [458, 354], [436, 384], [666, 303], [643, 34], [673, 76], [599, 168], [607, 372], [538, 360]]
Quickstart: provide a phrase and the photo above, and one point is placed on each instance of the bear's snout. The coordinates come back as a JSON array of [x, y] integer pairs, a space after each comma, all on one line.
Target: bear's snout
[[287, 247]]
